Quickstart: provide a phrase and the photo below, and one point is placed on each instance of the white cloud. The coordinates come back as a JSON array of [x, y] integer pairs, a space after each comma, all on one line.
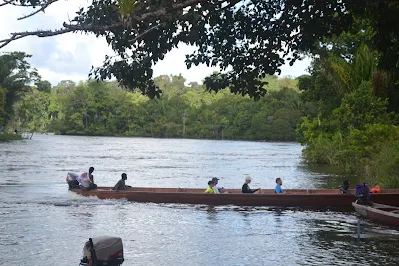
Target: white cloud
[[56, 77], [71, 56]]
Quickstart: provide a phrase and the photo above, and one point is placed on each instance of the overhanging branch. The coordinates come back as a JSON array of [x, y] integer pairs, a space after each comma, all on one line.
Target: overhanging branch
[[43, 33], [48, 33], [17, 3], [96, 28], [42, 8]]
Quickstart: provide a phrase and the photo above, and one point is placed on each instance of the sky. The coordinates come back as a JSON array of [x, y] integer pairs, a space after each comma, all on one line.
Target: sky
[[71, 56]]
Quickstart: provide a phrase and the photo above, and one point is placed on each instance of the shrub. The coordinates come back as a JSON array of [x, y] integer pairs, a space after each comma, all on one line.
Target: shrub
[[9, 137], [383, 167]]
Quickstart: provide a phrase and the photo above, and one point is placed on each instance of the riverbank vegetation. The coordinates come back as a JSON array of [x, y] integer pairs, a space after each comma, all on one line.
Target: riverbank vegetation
[[357, 96], [9, 137], [104, 108]]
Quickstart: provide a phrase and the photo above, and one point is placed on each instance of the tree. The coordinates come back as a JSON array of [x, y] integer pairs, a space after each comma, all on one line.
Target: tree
[[360, 107], [30, 113], [3, 93], [246, 39], [15, 76], [43, 85]]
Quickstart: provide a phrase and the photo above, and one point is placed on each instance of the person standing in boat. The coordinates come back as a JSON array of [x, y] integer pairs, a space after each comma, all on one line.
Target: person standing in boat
[[121, 185], [210, 189], [246, 189], [278, 188]]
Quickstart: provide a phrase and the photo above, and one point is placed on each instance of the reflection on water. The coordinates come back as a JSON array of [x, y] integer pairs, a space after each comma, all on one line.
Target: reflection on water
[[41, 223]]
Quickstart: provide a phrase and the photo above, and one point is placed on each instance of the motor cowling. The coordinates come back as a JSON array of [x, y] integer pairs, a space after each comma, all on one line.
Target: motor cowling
[[107, 250]]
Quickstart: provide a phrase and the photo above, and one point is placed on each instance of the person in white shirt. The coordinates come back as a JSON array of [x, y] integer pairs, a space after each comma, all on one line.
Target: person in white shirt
[[216, 188], [84, 180]]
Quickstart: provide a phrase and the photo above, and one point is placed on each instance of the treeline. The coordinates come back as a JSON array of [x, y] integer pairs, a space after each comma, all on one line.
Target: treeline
[[103, 108]]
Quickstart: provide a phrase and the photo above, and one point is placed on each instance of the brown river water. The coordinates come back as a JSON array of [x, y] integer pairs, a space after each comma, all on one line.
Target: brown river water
[[41, 223]]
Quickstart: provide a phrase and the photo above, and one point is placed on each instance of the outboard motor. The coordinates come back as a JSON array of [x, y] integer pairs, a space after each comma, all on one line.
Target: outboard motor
[[72, 181], [103, 251]]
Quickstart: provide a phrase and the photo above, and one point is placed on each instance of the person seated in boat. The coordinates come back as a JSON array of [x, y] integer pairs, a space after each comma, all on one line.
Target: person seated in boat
[[85, 182], [246, 189], [210, 189], [91, 170], [216, 188], [344, 187], [362, 193], [278, 188], [121, 183]]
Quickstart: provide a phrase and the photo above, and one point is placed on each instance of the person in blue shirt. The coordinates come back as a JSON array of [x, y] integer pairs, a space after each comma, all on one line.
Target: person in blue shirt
[[278, 188]]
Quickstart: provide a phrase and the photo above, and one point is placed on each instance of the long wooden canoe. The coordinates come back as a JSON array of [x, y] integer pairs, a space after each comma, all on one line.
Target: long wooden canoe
[[384, 214], [314, 198]]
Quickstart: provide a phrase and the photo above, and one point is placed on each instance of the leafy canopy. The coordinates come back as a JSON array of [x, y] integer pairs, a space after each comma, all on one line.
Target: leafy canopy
[[247, 39]]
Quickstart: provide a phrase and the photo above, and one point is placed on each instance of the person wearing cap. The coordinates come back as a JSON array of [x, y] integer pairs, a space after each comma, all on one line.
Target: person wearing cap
[[121, 183], [210, 189], [215, 187], [246, 189]]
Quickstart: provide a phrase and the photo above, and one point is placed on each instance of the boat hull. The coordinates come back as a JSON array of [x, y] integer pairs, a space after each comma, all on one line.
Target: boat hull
[[293, 198], [387, 215]]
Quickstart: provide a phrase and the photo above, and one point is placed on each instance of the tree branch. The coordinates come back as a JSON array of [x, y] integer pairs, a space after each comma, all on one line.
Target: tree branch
[[78, 27], [15, 3], [44, 33], [73, 28], [138, 37], [48, 33], [163, 11], [42, 8]]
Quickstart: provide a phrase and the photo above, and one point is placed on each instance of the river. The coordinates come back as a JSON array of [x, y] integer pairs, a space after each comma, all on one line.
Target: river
[[41, 223]]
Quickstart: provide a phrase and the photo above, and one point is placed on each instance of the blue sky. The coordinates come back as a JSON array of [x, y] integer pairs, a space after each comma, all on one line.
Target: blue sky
[[71, 56]]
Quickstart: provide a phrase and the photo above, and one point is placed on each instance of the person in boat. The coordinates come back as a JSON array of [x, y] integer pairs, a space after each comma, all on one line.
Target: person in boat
[[278, 188], [216, 188], [85, 182], [246, 189], [91, 170], [210, 189], [121, 185], [344, 187], [362, 193]]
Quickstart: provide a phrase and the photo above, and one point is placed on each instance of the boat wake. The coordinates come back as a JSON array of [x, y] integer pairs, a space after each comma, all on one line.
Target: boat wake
[[72, 199]]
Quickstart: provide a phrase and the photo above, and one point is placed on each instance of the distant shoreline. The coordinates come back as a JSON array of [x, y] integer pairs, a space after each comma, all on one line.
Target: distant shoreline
[[158, 137]]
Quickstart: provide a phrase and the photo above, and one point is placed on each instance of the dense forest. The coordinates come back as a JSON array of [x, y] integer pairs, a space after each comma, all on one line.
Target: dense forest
[[188, 111]]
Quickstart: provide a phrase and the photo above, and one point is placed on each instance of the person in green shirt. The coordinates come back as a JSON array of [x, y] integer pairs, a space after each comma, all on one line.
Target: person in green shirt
[[210, 188]]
